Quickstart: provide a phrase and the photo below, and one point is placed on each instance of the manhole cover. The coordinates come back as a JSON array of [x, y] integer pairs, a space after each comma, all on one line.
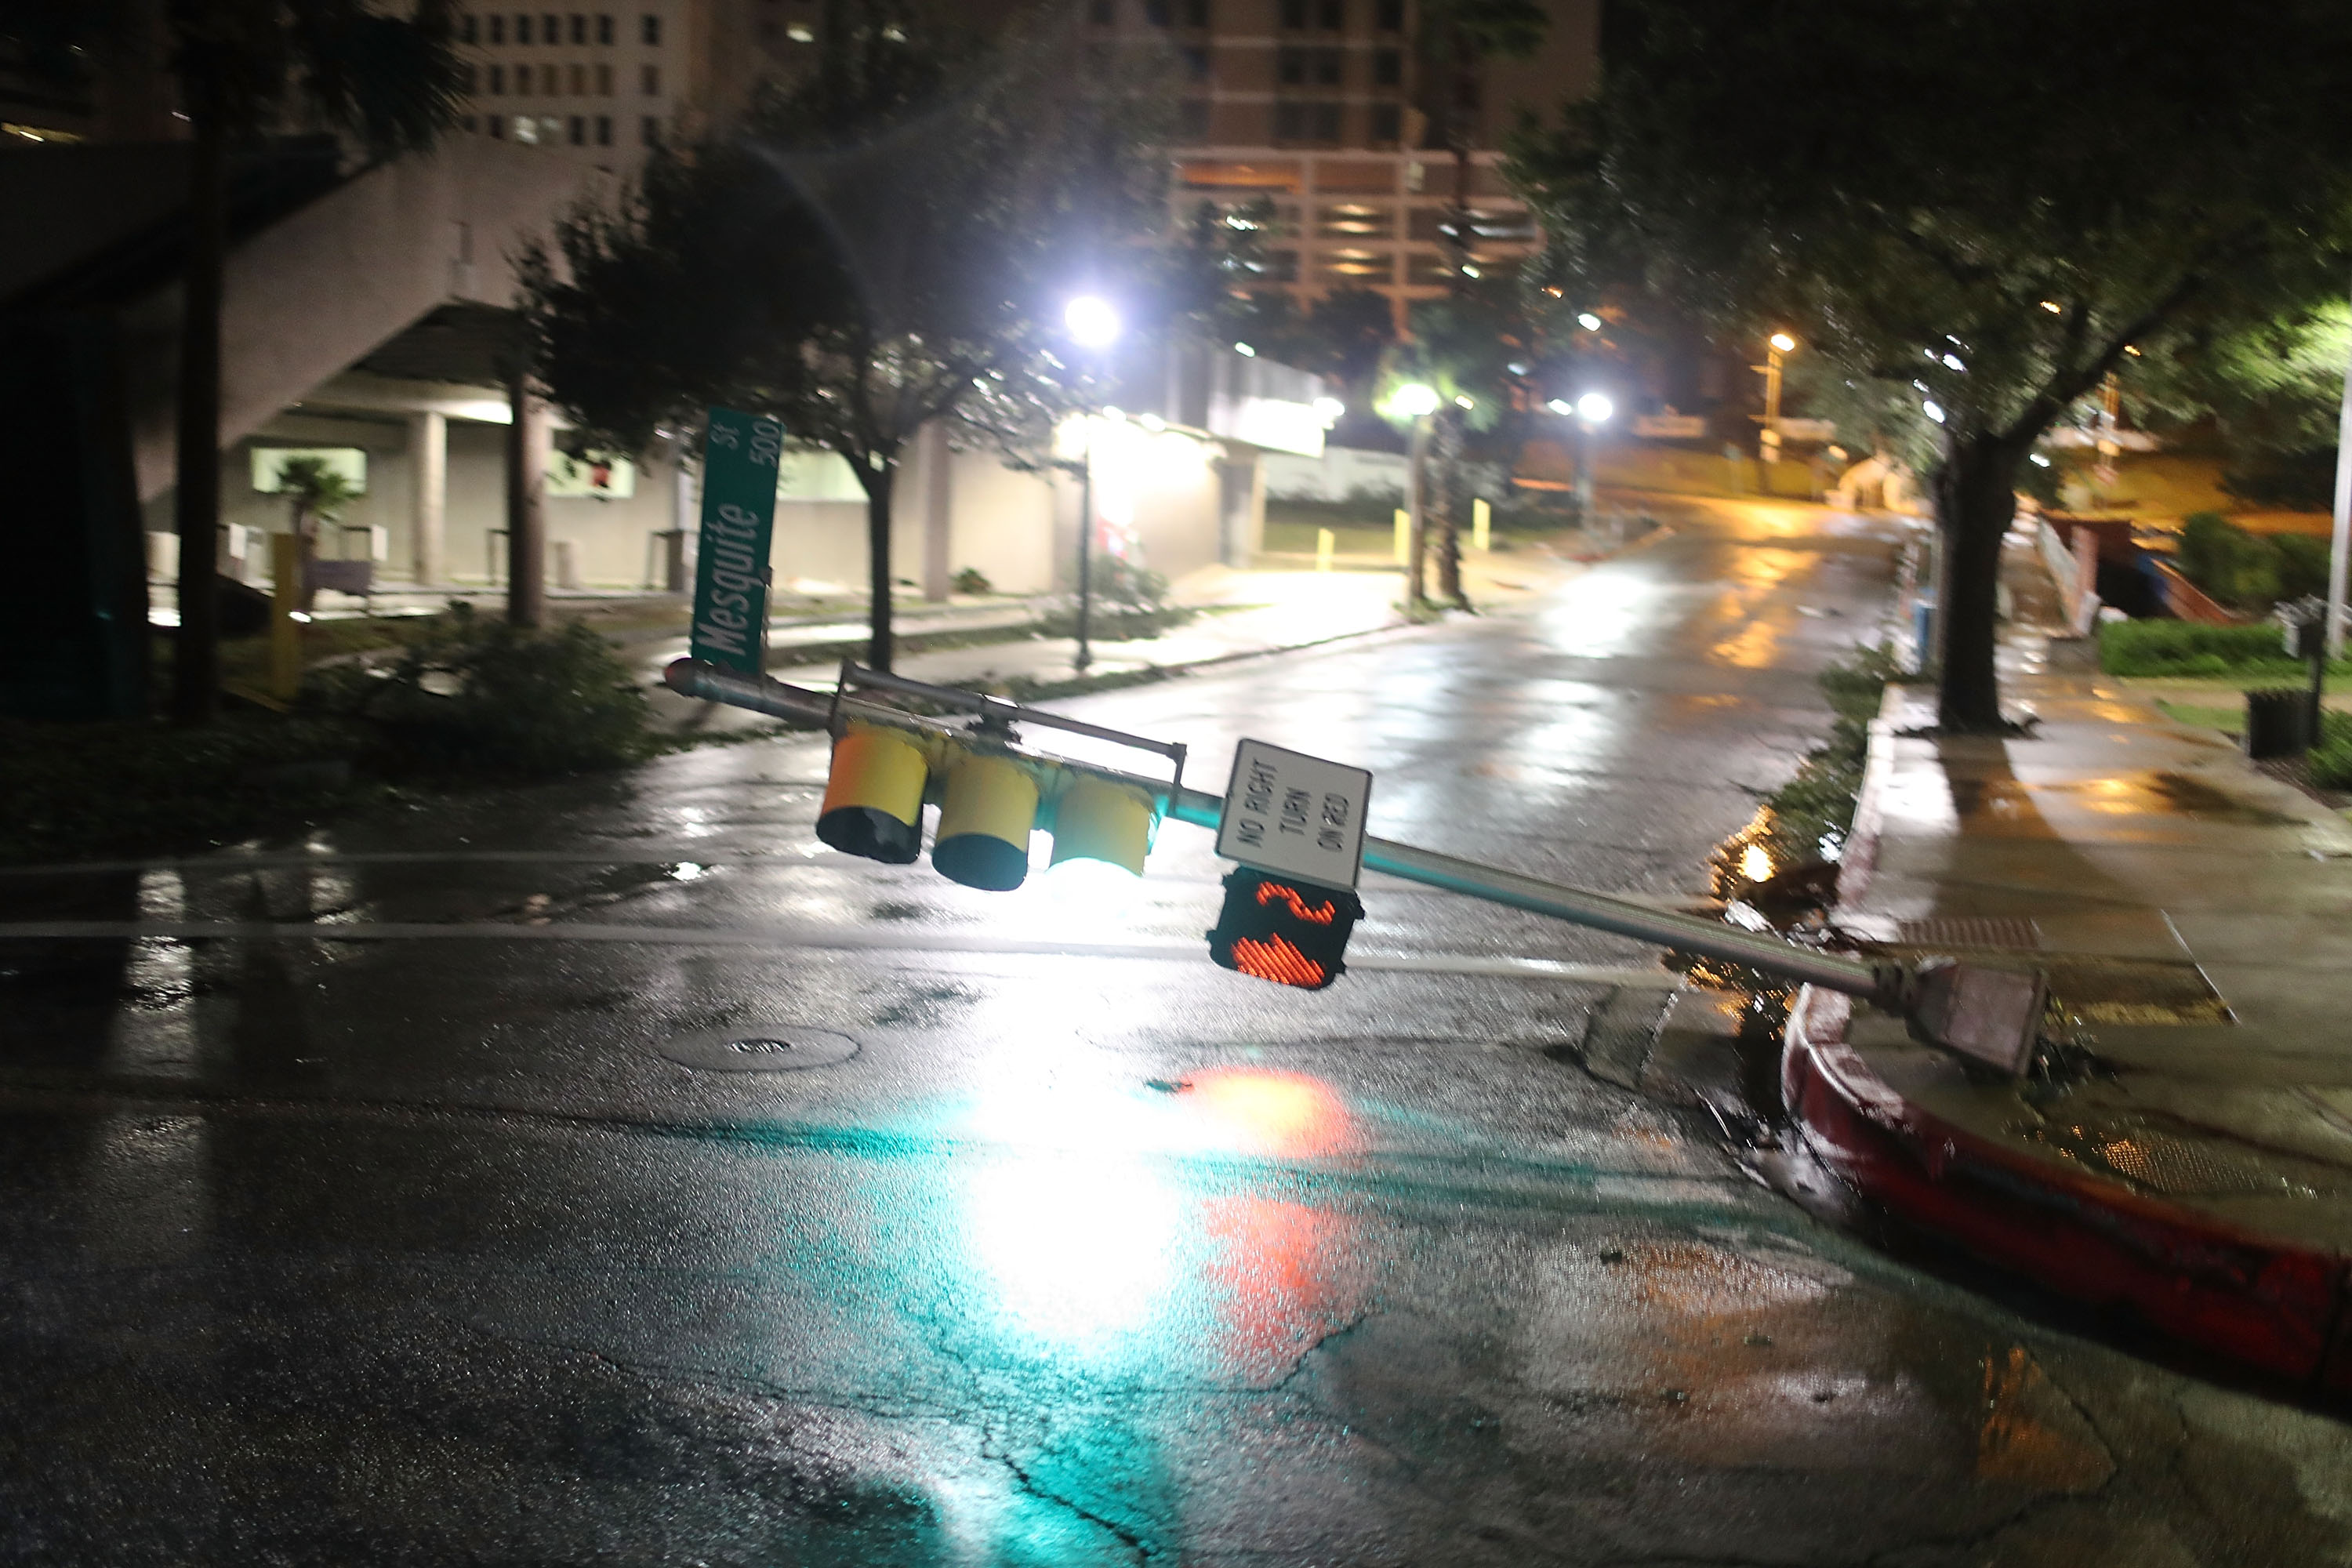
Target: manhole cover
[[760, 1047]]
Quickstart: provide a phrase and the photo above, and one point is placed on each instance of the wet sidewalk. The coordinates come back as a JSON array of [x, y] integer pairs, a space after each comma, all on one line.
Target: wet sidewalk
[[1241, 613], [2196, 1166]]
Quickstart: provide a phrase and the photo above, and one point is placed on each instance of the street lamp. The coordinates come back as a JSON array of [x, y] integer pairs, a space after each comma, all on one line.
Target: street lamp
[[1093, 324], [1593, 409], [1415, 401], [1768, 441]]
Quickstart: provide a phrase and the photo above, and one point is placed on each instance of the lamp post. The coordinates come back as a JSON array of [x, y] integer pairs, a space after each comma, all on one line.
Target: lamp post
[[1093, 325], [1768, 441], [1416, 402]]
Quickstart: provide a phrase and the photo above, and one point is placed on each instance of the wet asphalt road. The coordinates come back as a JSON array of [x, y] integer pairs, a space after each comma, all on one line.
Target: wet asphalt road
[[351, 1210]]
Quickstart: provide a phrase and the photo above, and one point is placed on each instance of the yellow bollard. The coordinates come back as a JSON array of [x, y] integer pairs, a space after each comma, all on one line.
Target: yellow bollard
[[1403, 536], [285, 631], [1481, 519], [1325, 543]]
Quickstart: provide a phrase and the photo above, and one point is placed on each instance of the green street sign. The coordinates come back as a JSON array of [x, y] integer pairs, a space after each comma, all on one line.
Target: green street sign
[[739, 510]]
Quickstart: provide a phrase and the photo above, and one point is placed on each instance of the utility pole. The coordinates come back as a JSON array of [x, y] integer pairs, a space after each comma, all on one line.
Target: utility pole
[[2340, 541]]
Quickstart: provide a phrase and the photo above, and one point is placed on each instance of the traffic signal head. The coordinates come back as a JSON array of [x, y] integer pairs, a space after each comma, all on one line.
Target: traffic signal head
[[874, 795], [1095, 819], [986, 811], [1281, 929]]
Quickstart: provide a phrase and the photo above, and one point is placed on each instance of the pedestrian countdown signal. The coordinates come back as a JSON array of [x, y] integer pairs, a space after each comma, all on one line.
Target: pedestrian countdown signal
[[1283, 930]]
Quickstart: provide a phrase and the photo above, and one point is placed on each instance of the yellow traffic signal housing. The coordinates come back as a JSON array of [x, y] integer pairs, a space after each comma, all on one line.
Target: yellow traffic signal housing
[[874, 795], [1095, 819], [986, 812], [991, 796]]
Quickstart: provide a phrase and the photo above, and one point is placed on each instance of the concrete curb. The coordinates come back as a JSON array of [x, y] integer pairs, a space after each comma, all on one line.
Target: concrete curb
[[2276, 1306]]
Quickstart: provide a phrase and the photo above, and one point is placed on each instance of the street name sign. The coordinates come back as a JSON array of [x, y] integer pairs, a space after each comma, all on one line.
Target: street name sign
[[1295, 815], [739, 511]]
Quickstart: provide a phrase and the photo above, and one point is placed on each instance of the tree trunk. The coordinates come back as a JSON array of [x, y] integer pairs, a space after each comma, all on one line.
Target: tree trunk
[[1976, 498], [877, 550], [196, 658], [1447, 453]]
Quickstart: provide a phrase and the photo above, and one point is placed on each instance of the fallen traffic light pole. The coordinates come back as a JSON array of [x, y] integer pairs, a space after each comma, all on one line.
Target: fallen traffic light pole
[[1989, 1016]]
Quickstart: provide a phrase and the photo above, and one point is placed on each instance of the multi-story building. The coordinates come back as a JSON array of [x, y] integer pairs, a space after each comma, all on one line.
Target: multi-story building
[[1332, 111], [601, 87]]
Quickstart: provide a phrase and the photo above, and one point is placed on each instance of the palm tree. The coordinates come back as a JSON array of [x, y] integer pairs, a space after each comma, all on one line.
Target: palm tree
[[247, 68]]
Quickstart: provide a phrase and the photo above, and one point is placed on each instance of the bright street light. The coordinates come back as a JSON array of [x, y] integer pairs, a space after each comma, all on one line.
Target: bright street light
[[1413, 400], [1589, 321], [1092, 322], [1329, 409], [1561, 407], [1784, 343], [1595, 408]]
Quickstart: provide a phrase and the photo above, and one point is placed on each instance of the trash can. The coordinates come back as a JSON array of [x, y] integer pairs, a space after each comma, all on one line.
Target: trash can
[[2278, 722]]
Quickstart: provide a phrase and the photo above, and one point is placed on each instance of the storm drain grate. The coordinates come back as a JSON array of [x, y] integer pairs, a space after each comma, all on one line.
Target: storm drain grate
[[760, 1047], [2178, 1166], [1972, 931]]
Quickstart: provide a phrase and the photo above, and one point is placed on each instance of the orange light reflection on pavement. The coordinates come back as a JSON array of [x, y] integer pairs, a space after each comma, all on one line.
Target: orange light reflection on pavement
[[1283, 1114], [1283, 1274]]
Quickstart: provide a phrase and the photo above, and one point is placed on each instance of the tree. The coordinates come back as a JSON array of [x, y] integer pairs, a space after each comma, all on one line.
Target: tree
[[245, 68], [888, 245], [1456, 37], [1981, 205]]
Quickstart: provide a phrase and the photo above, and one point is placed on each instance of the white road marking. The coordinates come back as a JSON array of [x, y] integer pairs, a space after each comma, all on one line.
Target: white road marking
[[843, 939]]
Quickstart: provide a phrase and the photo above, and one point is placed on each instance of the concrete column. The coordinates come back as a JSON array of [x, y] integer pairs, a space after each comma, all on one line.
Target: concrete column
[[428, 522], [938, 494], [526, 505], [1240, 485]]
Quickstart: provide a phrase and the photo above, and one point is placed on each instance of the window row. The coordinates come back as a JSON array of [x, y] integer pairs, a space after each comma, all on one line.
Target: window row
[[1327, 68], [1316, 123], [1331, 15], [1420, 269], [1294, 16], [547, 27], [553, 81], [553, 129]]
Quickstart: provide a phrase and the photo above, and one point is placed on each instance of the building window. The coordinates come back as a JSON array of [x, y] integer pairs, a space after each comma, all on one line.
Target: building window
[[1387, 124], [1331, 15], [550, 30], [650, 80], [1299, 68], [1294, 15], [499, 81], [1388, 15], [578, 132], [1193, 13], [603, 131], [466, 123], [1282, 266], [522, 80], [522, 29], [579, 81], [650, 31], [1196, 61], [469, 29], [498, 29], [603, 82], [496, 126], [1388, 68], [527, 130], [1295, 122], [649, 130], [579, 28], [604, 29]]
